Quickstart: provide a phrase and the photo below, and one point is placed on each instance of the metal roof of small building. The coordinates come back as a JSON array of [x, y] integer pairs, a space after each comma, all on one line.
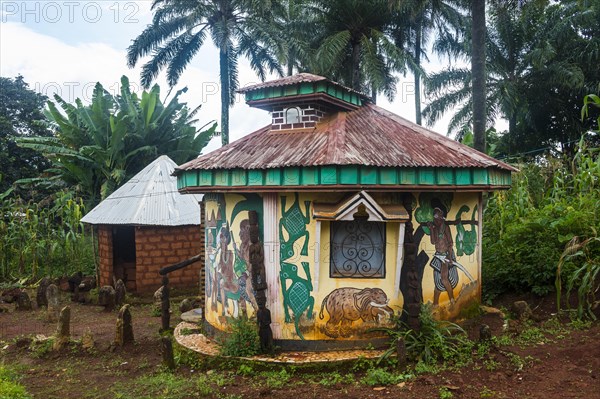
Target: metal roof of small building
[[369, 136], [149, 198], [296, 79], [286, 81]]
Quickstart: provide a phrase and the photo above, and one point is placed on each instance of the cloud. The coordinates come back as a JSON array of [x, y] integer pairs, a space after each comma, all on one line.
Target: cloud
[[52, 62], [50, 65]]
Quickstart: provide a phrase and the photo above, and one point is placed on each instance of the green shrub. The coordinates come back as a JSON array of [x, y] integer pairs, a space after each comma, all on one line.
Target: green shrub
[[40, 241], [243, 340], [435, 340], [585, 277], [528, 226]]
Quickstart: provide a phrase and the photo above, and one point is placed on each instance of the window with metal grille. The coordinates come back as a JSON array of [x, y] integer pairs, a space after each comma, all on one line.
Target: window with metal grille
[[357, 249]]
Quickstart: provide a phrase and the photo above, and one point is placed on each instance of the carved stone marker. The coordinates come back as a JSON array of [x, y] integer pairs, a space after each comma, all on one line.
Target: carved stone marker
[[124, 333], [53, 302], [106, 297], [485, 334], [521, 310], [74, 282], [23, 302], [120, 292], [401, 352], [87, 340], [186, 305], [40, 296], [63, 332]]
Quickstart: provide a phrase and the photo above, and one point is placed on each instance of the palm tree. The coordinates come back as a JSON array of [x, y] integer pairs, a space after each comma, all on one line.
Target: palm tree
[[416, 22], [292, 28], [355, 48], [478, 30], [506, 66], [98, 147], [179, 29]]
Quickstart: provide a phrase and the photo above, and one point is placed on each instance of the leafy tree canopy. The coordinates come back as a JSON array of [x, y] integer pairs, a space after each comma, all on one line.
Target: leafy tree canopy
[[21, 115], [180, 28], [98, 147], [542, 58]]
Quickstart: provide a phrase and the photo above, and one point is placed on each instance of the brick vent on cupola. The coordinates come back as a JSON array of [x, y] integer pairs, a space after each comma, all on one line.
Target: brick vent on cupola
[[297, 116]]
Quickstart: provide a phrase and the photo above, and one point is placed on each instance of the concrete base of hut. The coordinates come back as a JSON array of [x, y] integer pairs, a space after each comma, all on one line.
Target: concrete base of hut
[[209, 347]]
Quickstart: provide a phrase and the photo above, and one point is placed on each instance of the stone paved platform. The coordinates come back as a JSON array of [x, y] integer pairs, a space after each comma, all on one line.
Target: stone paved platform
[[201, 344]]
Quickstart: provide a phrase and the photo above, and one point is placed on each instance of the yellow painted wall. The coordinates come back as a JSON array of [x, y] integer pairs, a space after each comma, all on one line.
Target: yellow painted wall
[[313, 327], [219, 211], [466, 291]]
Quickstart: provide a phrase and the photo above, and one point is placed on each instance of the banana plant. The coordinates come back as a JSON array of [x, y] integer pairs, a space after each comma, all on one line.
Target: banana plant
[[98, 147]]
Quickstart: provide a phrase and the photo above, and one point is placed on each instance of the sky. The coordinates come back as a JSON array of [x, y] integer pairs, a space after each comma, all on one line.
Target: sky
[[65, 47]]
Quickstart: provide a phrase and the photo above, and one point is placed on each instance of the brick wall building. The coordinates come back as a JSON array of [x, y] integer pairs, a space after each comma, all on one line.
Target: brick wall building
[[155, 247], [143, 226]]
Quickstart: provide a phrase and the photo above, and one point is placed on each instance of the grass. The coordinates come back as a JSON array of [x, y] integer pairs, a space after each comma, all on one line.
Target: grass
[[445, 393], [162, 385], [203, 377], [10, 388], [381, 377], [331, 379], [40, 349], [276, 379]]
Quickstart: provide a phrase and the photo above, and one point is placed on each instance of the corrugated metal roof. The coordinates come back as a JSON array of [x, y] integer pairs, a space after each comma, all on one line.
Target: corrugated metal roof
[[149, 198], [286, 81], [368, 136], [296, 79]]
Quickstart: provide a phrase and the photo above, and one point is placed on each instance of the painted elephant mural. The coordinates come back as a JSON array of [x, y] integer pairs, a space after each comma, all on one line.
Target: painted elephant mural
[[347, 305]]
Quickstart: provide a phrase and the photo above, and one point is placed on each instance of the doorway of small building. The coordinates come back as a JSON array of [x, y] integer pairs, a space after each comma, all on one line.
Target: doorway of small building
[[124, 255]]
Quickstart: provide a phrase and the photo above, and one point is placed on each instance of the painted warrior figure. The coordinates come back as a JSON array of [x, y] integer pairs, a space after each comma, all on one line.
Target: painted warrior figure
[[445, 275], [242, 266], [211, 271], [225, 267]]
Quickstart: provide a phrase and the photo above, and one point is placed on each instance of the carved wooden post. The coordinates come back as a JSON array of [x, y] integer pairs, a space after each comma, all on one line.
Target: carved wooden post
[[413, 293], [259, 284], [164, 308], [167, 352]]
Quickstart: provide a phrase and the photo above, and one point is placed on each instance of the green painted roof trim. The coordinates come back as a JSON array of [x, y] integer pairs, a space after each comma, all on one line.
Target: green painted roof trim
[[343, 175], [325, 87]]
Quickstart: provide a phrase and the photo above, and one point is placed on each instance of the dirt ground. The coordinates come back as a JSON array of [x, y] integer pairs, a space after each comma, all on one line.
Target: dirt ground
[[548, 361]]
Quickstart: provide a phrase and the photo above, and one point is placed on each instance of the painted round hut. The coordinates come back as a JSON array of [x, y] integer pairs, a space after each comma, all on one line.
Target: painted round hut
[[146, 225], [361, 213]]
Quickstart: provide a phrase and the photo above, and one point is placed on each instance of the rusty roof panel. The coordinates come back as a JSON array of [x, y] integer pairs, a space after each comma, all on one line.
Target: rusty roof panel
[[286, 81], [297, 79], [368, 136]]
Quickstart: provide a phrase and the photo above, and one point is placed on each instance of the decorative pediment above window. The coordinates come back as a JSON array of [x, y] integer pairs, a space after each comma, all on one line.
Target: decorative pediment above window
[[360, 205]]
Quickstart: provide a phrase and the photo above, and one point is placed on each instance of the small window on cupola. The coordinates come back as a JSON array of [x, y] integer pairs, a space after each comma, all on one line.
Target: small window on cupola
[[293, 115]]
